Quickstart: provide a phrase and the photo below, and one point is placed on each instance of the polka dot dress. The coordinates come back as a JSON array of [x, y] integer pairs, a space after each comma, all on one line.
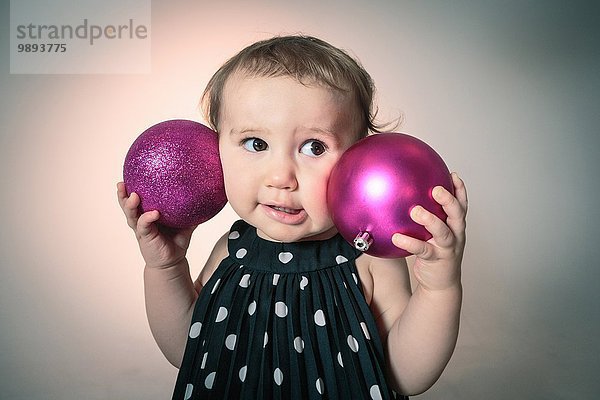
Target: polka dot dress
[[283, 321]]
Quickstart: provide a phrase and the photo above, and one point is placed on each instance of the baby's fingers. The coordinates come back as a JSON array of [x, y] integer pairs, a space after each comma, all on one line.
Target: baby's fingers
[[121, 193], [441, 232], [414, 246], [453, 208], [460, 191], [129, 205]]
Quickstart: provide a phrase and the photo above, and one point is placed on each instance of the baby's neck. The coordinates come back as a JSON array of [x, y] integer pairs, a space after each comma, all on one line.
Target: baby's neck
[[328, 234]]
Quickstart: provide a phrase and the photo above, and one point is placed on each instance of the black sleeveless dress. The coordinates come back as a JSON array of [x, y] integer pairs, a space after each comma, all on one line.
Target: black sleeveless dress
[[283, 321]]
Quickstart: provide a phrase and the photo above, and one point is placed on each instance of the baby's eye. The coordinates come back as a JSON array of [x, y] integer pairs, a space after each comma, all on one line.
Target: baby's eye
[[313, 148], [254, 144]]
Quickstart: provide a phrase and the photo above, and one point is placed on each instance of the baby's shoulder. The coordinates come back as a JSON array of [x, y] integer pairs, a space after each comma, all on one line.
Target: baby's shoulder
[[218, 254], [380, 276], [363, 263]]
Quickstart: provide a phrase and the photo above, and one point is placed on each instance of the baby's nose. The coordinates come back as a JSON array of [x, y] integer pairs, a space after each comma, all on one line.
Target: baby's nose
[[282, 175]]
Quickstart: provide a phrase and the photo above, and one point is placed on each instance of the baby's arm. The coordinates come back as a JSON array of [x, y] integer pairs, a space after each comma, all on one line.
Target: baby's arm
[[420, 330], [170, 298], [169, 290]]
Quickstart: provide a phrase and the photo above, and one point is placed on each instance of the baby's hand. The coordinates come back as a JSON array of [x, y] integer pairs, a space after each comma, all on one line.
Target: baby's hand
[[160, 246], [437, 266]]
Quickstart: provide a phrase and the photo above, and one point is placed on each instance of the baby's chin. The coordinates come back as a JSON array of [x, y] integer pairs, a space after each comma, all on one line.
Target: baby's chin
[[290, 234]]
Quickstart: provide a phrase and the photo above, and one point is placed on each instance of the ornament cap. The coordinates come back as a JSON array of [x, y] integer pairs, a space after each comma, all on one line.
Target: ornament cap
[[363, 241]]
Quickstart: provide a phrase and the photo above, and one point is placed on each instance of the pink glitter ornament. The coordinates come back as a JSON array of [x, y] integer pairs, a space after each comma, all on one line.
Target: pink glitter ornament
[[174, 167], [376, 183]]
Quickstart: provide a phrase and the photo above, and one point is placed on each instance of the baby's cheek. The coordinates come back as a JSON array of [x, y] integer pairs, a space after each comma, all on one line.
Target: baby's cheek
[[319, 201], [314, 192]]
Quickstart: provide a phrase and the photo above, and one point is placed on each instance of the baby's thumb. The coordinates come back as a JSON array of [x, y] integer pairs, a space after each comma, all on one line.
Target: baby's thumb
[[146, 223]]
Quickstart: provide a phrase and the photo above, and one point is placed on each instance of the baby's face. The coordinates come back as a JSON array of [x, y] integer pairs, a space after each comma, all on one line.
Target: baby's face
[[279, 140]]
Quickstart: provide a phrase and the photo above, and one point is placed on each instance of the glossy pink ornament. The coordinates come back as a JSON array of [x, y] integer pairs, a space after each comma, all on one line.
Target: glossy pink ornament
[[376, 183], [174, 167]]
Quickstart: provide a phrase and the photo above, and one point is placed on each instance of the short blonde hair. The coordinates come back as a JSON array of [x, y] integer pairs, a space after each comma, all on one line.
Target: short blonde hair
[[304, 58]]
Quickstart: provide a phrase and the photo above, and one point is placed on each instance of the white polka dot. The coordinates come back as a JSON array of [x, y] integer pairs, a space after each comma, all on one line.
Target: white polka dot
[[278, 376], [375, 392], [252, 308], [188, 391], [299, 344], [195, 330], [210, 380], [319, 385], [352, 343], [320, 318], [243, 372], [345, 286], [281, 309], [245, 281], [355, 278], [241, 253], [266, 339], [340, 259], [303, 282], [275, 279], [365, 330], [222, 314], [340, 361], [234, 235], [230, 341], [285, 257], [204, 358], [214, 289]]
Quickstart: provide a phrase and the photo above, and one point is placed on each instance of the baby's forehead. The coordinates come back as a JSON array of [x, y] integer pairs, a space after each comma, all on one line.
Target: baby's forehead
[[248, 89], [237, 86]]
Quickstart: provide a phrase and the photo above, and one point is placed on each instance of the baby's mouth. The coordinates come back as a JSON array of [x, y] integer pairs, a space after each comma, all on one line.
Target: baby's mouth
[[286, 210]]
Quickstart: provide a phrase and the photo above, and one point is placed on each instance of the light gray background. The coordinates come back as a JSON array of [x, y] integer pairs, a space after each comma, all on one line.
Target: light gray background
[[506, 91]]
